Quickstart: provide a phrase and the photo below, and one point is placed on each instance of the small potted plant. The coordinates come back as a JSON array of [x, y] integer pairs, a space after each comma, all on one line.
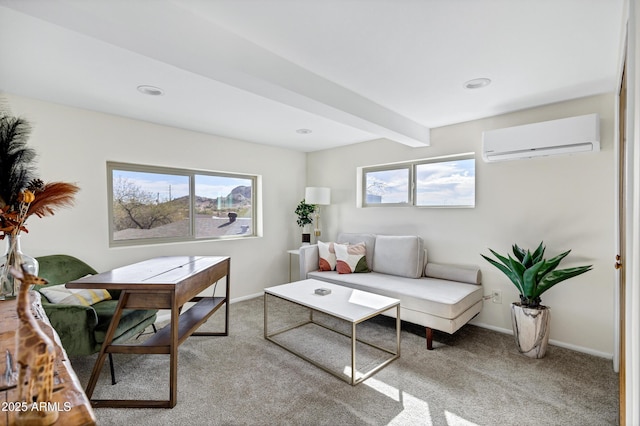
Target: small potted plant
[[532, 275], [304, 212]]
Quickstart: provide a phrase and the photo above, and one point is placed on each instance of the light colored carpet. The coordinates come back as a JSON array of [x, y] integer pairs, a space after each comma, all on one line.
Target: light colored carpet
[[475, 377]]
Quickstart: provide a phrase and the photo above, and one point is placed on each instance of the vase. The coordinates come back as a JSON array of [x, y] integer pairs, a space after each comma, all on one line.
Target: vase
[[306, 235], [531, 329], [13, 256]]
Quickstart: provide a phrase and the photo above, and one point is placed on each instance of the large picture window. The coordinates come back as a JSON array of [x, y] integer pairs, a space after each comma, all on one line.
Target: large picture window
[[437, 182], [157, 204]]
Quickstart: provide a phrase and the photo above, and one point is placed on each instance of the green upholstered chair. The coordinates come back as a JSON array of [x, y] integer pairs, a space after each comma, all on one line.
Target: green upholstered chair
[[82, 329]]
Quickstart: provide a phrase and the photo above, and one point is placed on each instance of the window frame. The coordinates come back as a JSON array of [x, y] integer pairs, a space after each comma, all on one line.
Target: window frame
[[191, 175], [412, 185]]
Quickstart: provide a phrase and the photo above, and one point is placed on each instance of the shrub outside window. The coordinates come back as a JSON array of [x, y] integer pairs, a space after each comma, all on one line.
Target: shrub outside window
[[157, 204]]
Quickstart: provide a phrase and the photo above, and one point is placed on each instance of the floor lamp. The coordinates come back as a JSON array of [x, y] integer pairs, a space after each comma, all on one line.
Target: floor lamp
[[319, 196]]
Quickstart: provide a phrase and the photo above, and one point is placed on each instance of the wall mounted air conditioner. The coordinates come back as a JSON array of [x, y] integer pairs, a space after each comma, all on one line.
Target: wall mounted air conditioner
[[564, 136]]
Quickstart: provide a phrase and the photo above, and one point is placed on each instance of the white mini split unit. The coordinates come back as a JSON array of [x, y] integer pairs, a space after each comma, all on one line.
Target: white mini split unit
[[564, 136]]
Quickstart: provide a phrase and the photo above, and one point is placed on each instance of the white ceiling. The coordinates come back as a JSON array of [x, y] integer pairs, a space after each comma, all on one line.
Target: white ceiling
[[349, 70]]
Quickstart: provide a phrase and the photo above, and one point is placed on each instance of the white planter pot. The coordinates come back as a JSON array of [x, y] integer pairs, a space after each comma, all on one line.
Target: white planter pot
[[531, 329]]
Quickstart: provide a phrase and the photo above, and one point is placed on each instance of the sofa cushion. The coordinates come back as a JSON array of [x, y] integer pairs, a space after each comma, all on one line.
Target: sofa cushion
[[369, 241], [326, 256], [465, 274], [442, 298], [351, 258], [67, 296], [399, 255]]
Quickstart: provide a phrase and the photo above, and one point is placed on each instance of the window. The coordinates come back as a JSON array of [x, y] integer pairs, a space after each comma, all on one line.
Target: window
[[389, 186], [437, 182], [157, 204], [446, 183]]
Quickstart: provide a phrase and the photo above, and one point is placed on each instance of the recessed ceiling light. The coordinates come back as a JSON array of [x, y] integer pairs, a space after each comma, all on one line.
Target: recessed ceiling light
[[303, 131], [477, 83], [150, 90]]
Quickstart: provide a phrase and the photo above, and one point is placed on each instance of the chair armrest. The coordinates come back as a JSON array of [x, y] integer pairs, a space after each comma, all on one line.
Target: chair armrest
[[74, 324], [309, 260]]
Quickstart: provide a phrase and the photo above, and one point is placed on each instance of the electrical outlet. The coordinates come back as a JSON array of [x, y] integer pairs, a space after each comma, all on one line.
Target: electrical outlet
[[496, 296]]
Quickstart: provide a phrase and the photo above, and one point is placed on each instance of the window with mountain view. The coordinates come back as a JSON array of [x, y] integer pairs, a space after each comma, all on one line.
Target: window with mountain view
[[223, 202], [157, 204]]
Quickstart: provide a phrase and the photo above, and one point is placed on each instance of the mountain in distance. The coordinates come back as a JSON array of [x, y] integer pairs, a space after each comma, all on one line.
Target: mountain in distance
[[238, 198]]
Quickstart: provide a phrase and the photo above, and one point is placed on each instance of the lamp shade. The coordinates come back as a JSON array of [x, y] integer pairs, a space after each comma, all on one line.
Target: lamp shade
[[317, 195]]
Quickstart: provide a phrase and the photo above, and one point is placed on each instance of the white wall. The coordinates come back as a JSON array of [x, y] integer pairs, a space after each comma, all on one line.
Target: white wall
[[567, 201], [74, 145]]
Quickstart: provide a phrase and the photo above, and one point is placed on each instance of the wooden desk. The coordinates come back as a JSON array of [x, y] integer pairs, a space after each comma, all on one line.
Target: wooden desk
[[73, 405], [160, 283]]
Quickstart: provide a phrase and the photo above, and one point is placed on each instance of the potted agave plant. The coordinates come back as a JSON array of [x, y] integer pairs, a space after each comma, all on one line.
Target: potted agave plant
[[532, 275]]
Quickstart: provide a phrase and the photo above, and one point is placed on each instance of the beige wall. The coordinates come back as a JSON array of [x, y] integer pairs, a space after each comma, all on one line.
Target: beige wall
[[567, 201], [74, 145]]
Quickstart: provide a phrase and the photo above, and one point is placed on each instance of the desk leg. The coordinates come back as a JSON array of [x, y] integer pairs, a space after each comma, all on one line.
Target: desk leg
[[227, 296], [173, 353], [97, 367]]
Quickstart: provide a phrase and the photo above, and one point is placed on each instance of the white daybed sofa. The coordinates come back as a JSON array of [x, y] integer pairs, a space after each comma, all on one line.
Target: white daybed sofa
[[437, 296]]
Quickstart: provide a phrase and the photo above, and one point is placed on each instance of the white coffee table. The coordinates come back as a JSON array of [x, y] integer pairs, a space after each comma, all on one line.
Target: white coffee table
[[350, 305]]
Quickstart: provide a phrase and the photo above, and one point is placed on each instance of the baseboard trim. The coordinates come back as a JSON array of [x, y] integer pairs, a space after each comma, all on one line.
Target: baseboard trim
[[165, 314], [243, 298], [565, 345], [553, 342]]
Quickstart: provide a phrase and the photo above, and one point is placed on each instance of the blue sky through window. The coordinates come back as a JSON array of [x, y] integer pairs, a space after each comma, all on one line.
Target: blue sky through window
[[447, 183], [166, 186], [218, 186]]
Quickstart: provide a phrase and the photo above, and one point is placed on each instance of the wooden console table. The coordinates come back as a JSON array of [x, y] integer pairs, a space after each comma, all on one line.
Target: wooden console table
[[160, 283], [72, 403]]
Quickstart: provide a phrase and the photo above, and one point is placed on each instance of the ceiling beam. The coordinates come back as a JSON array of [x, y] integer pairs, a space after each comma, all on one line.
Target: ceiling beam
[[207, 49]]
